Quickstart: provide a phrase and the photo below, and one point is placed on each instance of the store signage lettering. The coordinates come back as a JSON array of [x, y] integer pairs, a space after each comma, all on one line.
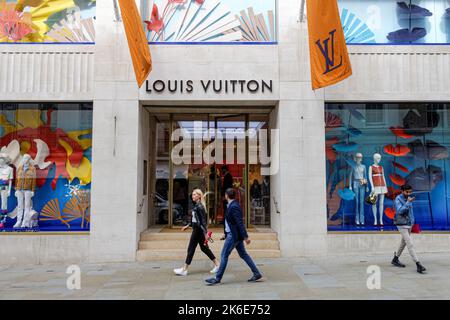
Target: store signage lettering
[[209, 86]]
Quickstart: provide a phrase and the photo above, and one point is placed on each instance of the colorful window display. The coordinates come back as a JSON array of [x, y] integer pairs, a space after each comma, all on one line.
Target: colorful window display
[[396, 22], [227, 21], [45, 166], [30, 21], [374, 149]]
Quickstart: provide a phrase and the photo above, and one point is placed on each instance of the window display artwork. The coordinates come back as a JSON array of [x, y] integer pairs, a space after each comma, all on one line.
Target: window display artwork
[[45, 167], [30, 21], [396, 22], [374, 149], [224, 21]]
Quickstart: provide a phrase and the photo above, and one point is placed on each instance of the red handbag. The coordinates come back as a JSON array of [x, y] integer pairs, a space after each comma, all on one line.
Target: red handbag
[[416, 228]]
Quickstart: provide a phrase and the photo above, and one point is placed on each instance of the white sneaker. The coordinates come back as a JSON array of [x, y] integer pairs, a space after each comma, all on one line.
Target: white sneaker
[[214, 270], [180, 272]]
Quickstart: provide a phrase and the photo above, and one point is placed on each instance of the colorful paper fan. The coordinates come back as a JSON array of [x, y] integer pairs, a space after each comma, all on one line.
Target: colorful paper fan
[[397, 179], [346, 194], [345, 147], [400, 132], [398, 150], [389, 212], [400, 167]]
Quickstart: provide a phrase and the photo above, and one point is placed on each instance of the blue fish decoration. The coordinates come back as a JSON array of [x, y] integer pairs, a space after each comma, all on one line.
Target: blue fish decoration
[[346, 194], [345, 147], [405, 35], [353, 131]]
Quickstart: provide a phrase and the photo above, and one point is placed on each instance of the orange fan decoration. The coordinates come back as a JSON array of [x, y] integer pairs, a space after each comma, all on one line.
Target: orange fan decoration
[[400, 132]]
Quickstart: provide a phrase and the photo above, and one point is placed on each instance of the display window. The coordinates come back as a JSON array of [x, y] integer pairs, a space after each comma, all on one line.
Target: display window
[[45, 166], [372, 150], [50, 21], [396, 22]]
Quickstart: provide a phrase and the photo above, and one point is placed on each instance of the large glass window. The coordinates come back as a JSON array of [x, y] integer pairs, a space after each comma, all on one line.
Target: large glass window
[[45, 166], [47, 21], [396, 22], [224, 21], [411, 139]]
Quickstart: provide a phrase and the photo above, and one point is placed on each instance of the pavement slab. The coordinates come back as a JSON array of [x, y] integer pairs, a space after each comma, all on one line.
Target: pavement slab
[[332, 277]]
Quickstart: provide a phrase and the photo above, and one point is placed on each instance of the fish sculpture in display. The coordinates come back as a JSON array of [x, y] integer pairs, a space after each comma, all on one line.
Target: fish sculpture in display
[[430, 151], [425, 179], [420, 121], [400, 167], [400, 132], [413, 11], [345, 147], [406, 35], [397, 179]]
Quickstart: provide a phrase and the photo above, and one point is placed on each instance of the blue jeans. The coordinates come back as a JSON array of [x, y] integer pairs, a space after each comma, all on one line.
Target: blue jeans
[[360, 192], [228, 247]]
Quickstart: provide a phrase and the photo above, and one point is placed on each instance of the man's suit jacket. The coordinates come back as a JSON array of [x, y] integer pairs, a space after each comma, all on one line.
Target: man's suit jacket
[[234, 219]]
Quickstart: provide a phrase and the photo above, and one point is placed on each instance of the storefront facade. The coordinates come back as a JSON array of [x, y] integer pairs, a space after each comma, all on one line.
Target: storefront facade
[[241, 80]]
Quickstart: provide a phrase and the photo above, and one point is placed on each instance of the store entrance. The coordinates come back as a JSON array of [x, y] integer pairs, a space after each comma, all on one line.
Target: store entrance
[[209, 152]]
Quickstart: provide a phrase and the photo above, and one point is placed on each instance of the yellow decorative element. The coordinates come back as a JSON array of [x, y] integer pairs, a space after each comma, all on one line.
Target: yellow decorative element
[[40, 15], [24, 147], [84, 143], [21, 4], [83, 172], [7, 127], [51, 211], [28, 118]]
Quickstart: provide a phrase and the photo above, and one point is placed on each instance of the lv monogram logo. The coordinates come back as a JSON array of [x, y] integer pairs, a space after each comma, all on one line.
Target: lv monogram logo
[[325, 50]]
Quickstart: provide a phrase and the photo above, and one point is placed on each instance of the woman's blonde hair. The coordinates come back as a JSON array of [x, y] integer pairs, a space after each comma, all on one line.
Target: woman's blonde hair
[[202, 196]]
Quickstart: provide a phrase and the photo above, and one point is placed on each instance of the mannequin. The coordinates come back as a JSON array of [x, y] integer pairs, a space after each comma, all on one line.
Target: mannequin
[[25, 185], [6, 176], [359, 185], [379, 187]]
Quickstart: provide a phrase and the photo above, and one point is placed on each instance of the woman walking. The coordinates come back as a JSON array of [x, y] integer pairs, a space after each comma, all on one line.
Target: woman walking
[[199, 233]]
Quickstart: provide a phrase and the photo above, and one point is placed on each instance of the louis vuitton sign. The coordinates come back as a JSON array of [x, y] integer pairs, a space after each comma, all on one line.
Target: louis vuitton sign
[[209, 86]]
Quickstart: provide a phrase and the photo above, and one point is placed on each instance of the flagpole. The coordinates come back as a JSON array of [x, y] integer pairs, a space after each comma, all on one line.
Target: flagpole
[[302, 10], [116, 11]]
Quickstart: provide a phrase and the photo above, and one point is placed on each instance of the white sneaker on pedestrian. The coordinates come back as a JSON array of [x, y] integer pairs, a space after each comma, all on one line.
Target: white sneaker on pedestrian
[[180, 272], [214, 270]]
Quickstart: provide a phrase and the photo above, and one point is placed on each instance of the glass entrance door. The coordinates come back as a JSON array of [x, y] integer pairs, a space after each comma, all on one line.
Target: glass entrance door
[[209, 152]]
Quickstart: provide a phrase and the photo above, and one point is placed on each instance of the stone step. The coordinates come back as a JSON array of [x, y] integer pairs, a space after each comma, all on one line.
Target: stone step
[[216, 246], [164, 236], [155, 255]]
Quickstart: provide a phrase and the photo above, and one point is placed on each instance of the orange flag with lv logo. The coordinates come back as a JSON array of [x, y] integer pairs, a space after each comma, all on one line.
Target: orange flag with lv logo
[[137, 41], [330, 62]]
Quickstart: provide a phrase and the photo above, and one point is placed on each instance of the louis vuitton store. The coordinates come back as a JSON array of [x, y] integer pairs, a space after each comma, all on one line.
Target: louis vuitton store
[[233, 108]]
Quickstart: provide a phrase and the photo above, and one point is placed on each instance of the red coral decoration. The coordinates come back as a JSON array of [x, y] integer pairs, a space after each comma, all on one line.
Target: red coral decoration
[[397, 150], [332, 121], [389, 212], [331, 154], [393, 193], [156, 22], [13, 26], [400, 132], [400, 167], [397, 179]]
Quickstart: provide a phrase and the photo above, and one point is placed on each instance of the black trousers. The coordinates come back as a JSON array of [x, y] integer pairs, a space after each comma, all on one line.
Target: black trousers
[[197, 237]]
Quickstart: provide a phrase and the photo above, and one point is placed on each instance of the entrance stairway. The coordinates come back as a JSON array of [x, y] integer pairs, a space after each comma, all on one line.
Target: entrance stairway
[[171, 244]]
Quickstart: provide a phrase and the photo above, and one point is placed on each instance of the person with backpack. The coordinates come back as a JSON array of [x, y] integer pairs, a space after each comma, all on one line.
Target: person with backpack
[[404, 220]]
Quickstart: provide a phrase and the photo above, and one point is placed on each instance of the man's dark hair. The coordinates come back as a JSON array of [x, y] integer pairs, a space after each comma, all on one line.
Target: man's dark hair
[[406, 187], [230, 193], [225, 168]]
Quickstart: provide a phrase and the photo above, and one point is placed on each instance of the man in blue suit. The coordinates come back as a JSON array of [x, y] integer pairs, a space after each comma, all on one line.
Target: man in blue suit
[[235, 235]]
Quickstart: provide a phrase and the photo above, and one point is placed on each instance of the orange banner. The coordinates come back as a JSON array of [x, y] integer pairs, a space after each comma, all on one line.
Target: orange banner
[[137, 41], [330, 62]]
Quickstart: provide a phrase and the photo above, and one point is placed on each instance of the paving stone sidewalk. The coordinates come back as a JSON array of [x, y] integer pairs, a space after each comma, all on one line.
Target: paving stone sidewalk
[[285, 278]]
